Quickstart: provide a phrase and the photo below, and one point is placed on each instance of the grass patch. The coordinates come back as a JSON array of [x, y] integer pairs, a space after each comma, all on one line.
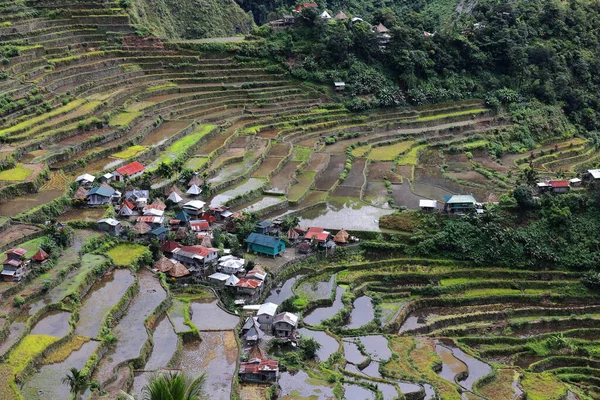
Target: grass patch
[[196, 163], [390, 152], [301, 154], [361, 151], [30, 346], [475, 145], [412, 157], [501, 292], [544, 386], [163, 86], [305, 179], [129, 152], [43, 118], [126, 255], [124, 118], [184, 143], [18, 173], [139, 105], [501, 386], [60, 354], [454, 114]]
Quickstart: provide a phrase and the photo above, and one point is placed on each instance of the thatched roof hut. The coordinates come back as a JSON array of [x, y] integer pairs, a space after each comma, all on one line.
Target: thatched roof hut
[[342, 237], [173, 269], [141, 228], [80, 194]]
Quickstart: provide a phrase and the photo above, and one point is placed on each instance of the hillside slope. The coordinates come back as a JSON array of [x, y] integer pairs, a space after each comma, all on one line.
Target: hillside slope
[[191, 19]]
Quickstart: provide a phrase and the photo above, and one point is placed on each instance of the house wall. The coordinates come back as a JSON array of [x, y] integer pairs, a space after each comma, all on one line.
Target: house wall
[[282, 329]]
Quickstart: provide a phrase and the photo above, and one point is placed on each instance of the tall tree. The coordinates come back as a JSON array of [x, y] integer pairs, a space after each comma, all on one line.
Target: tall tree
[[174, 386], [77, 381]]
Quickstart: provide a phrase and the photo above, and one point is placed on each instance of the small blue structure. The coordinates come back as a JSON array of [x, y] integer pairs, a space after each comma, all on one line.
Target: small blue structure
[[99, 195], [182, 217], [264, 244], [159, 233], [264, 227]]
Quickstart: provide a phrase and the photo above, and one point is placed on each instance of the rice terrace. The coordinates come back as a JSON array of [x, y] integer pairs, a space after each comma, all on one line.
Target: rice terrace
[[299, 200]]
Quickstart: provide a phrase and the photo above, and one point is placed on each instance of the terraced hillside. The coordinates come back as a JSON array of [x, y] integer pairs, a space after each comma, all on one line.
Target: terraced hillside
[[83, 93], [422, 326]]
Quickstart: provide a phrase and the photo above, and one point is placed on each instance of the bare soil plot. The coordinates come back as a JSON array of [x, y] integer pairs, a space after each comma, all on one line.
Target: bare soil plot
[[332, 173], [164, 132], [403, 196], [269, 134], [356, 178], [317, 162], [16, 232], [267, 166], [380, 170], [347, 191], [280, 180], [279, 150]]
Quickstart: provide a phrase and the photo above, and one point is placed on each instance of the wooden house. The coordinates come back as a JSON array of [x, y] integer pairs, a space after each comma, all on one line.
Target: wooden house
[[131, 170], [459, 204], [14, 265], [264, 244], [284, 325], [110, 225], [40, 257], [100, 195], [259, 370], [264, 227], [196, 258]]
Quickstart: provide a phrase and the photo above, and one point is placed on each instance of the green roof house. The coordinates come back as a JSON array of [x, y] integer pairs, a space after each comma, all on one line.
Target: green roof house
[[264, 244], [459, 204]]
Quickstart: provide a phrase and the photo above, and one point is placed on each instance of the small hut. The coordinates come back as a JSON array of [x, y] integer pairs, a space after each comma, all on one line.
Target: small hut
[[141, 228], [292, 235], [80, 194], [194, 190], [175, 189], [175, 198], [195, 181], [342, 237], [172, 268], [40, 257], [341, 16]]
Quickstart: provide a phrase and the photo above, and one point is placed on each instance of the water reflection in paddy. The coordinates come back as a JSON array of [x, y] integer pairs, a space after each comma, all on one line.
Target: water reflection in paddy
[[280, 294], [301, 386], [328, 344], [362, 312], [322, 313]]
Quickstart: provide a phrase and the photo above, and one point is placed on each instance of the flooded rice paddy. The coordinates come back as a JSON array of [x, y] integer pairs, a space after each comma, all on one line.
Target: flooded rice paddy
[[131, 330], [328, 344], [208, 316], [355, 392], [246, 187], [320, 314], [300, 385], [53, 323], [281, 293], [317, 289], [100, 299], [20, 204], [216, 355], [362, 312], [46, 382], [347, 214]]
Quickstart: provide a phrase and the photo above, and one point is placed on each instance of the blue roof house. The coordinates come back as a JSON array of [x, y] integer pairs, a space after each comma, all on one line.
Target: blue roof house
[[99, 196], [159, 233], [264, 227], [264, 244]]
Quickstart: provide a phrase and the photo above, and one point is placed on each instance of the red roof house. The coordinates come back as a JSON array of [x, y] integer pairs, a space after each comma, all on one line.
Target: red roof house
[[41, 256], [17, 252], [168, 246], [319, 234], [199, 225], [130, 170], [306, 5], [560, 186], [259, 370]]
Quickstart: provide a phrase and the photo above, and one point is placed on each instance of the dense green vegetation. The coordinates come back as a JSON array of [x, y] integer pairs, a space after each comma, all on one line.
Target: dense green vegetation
[[187, 19], [510, 53]]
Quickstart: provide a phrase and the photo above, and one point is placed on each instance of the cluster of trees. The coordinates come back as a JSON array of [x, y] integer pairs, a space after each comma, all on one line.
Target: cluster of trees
[[556, 231], [540, 49]]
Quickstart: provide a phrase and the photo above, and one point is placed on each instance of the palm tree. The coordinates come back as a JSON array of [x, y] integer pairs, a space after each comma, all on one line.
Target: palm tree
[[174, 386], [77, 381]]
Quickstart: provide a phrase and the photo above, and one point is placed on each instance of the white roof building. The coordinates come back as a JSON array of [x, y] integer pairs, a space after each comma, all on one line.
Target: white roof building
[[232, 280], [194, 190], [194, 205], [426, 203], [325, 15], [217, 276], [267, 309], [595, 173], [109, 221], [154, 212], [175, 198], [86, 178]]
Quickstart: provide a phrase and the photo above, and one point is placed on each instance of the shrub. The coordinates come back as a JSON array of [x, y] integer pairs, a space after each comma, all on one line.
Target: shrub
[[18, 301]]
